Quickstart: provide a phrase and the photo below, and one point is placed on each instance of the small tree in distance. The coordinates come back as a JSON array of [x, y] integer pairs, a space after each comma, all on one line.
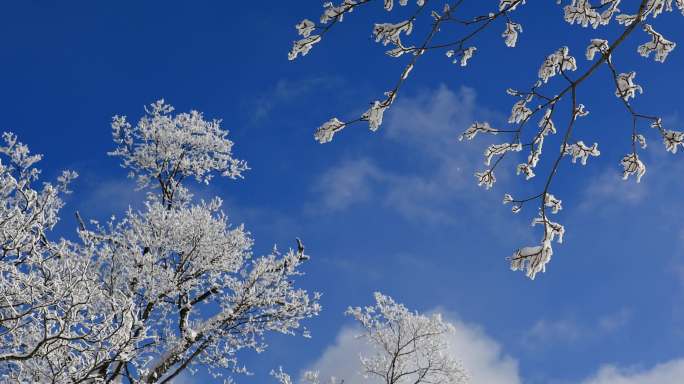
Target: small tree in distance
[[408, 347], [534, 115]]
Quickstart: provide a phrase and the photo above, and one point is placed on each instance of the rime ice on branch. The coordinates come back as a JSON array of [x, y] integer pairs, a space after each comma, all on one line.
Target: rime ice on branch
[[452, 33]]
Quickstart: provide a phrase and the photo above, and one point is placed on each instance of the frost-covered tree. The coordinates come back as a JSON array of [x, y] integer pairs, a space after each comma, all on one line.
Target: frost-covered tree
[[408, 347], [449, 30], [168, 288]]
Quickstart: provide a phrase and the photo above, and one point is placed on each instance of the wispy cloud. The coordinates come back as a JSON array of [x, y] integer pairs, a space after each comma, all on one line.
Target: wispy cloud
[[101, 198], [423, 129], [349, 183], [608, 191], [614, 321], [547, 333], [287, 92]]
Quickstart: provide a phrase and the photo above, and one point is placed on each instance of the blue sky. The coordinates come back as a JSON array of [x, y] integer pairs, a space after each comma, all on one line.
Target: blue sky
[[396, 210]]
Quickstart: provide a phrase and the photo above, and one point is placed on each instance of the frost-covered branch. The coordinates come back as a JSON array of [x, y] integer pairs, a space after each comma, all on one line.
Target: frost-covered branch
[[536, 104], [391, 33]]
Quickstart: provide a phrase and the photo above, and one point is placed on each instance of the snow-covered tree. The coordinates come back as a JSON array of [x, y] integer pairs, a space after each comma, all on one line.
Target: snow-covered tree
[[408, 347], [169, 288], [450, 30]]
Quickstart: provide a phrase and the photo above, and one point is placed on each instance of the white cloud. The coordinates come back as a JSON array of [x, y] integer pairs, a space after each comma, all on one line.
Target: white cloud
[[481, 356], [485, 361], [671, 372], [341, 359]]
